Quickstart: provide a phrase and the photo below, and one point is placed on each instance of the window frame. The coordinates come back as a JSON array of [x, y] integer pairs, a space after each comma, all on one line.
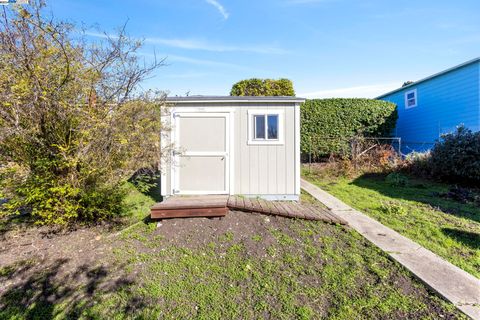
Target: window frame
[[252, 127], [414, 91]]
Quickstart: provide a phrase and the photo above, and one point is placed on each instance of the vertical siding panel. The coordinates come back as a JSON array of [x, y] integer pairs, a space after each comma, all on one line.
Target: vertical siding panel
[[244, 152], [290, 150], [263, 170], [237, 122], [281, 170], [253, 166], [272, 170]]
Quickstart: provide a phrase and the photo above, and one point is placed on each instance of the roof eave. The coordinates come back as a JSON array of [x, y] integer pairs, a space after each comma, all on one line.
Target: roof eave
[[228, 99], [476, 60]]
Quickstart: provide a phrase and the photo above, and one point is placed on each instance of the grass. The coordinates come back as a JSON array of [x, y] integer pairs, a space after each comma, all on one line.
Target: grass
[[449, 228], [306, 273], [273, 268]]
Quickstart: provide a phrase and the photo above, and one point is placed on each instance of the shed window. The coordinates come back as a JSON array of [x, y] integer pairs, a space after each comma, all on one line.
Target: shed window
[[411, 99], [259, 127], [265, 126]]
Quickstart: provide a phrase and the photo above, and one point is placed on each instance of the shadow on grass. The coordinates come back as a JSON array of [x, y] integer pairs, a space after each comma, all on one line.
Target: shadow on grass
[[148, 183], [469, 239], [51, 291], [420, 191]]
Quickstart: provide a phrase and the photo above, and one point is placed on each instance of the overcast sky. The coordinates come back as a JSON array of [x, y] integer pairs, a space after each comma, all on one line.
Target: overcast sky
[[328, 48]]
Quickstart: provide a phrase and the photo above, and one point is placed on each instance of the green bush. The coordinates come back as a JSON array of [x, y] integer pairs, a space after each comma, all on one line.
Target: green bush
[[263, 87], [456, 157], [329, 124], [74, 123], [393, 208]]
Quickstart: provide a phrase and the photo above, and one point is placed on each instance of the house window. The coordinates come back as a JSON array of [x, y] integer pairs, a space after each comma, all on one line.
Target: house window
[[265, 127], [411, 99]]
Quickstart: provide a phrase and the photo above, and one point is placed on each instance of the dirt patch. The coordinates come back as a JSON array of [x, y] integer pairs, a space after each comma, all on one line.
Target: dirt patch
[[198, 232], [280, 267], [80, 246]]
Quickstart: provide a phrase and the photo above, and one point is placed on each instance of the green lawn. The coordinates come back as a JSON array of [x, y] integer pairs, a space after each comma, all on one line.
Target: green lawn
[[449, 228], [245, 266]]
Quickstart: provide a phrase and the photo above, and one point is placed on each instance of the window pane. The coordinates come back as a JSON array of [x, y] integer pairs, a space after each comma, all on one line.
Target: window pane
[[411, 95], [273, 127], [411, 102], [259, 126]]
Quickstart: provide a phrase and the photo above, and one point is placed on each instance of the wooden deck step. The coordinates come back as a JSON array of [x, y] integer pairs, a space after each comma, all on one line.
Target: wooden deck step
[[187, 207]]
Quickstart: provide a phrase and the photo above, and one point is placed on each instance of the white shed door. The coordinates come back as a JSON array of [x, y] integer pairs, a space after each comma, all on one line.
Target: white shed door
[[201, 161]]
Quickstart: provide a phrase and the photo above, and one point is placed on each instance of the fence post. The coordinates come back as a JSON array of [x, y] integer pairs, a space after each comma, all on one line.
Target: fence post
[[310, 156], [354, 153], [400, 147]]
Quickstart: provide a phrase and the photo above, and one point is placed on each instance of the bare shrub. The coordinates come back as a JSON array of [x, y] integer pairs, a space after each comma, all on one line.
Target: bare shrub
[[74, 123]]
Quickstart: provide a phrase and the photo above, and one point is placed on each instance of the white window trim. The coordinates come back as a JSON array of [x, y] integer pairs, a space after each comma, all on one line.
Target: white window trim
[[251, 127], [414, 91]]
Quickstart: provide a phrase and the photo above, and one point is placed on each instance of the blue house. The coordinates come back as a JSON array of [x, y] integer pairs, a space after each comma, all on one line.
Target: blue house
[[436, 105]]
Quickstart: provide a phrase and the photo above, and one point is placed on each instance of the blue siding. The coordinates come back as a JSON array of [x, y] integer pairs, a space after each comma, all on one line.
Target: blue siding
[[443, 103]]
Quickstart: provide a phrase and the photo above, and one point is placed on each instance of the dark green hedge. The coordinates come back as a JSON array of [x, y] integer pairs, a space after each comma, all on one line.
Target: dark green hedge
[[456, 157], [263, 87], [328, 124]]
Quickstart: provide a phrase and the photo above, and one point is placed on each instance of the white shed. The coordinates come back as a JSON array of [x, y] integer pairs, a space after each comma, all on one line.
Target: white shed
[[234, 146]]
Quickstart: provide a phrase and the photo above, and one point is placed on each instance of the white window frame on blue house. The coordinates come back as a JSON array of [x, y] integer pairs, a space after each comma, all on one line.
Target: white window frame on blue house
[[407, 100]]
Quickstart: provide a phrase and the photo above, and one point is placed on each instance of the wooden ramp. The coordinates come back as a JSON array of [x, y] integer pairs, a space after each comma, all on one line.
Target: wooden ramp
[[288, 209], [218, 206]]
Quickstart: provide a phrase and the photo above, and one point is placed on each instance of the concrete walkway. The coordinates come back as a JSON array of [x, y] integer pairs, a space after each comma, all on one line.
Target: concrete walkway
[[451, 282]]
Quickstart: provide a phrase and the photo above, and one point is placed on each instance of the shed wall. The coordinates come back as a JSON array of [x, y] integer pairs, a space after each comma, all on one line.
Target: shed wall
[[264, 170]]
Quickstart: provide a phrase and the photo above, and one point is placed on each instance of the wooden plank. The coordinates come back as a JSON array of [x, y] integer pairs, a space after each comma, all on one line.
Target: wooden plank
[[321, 215], [188, 213], [332, 216], [256, 205], [248, 205], [275, 210], [264, 206], [192, 203], [242, 203], [338, 219], [269, 206], [287, 209], [237, 201], [234, 203], [231, 202], [301, 211], [280, 210], [259, 204], [308, 212]]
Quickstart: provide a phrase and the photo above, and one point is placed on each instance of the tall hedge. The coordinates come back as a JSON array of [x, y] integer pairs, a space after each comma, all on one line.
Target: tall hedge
[[263, 87], [328, 124]]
